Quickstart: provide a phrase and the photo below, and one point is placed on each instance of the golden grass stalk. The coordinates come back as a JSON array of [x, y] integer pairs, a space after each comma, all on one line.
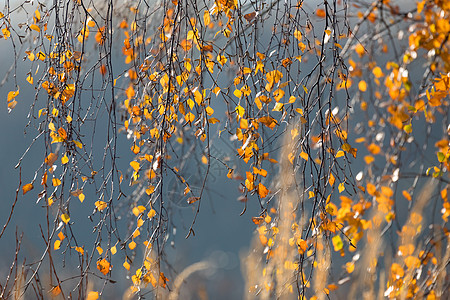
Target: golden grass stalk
[[262, 281], [323, 256], [199, 266], [411, 230], [365, 273]]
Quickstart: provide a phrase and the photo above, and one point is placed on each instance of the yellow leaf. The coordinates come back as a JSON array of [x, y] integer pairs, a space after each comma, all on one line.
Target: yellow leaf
[[243, 123], [99, 250], [240, 110], [56, 244], [56, 182], [216, 90], [64, 159], [132, 245], [113, 250], [65, 218], [101, 205], [151, 213], [150, 190], [30, 79], [278, 94], [350, 267], [222, 60], [78, 144], [6, 33], [278, 107], [12, 95], [35, 27], [341, 187], [337, 243], [340, 153], [30, 55], [298, 35], [377, 72], [189, 117], [304, 155], [206, 17], [126, 265], [81, 197], [209, 110], [135, 165], [369, 159]]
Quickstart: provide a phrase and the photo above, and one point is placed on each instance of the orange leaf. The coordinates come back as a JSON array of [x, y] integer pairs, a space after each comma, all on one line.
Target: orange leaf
[[80, 250], [331, 180], [104, 266], [191, 200], [262, 190], [27, 187], [50, 159], [268, 121], [406, 195], [320, 13], [374, 149], [101, 205], [56, 290], [250, 16], [92, 296], [135, 165], [257, 220], [62, 133]]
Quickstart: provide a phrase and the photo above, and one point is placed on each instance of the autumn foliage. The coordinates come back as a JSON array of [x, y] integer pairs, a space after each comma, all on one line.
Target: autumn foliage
[[335, 115]]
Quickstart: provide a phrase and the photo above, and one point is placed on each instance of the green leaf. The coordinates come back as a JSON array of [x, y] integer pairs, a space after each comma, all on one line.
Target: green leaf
[[441, 157]]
